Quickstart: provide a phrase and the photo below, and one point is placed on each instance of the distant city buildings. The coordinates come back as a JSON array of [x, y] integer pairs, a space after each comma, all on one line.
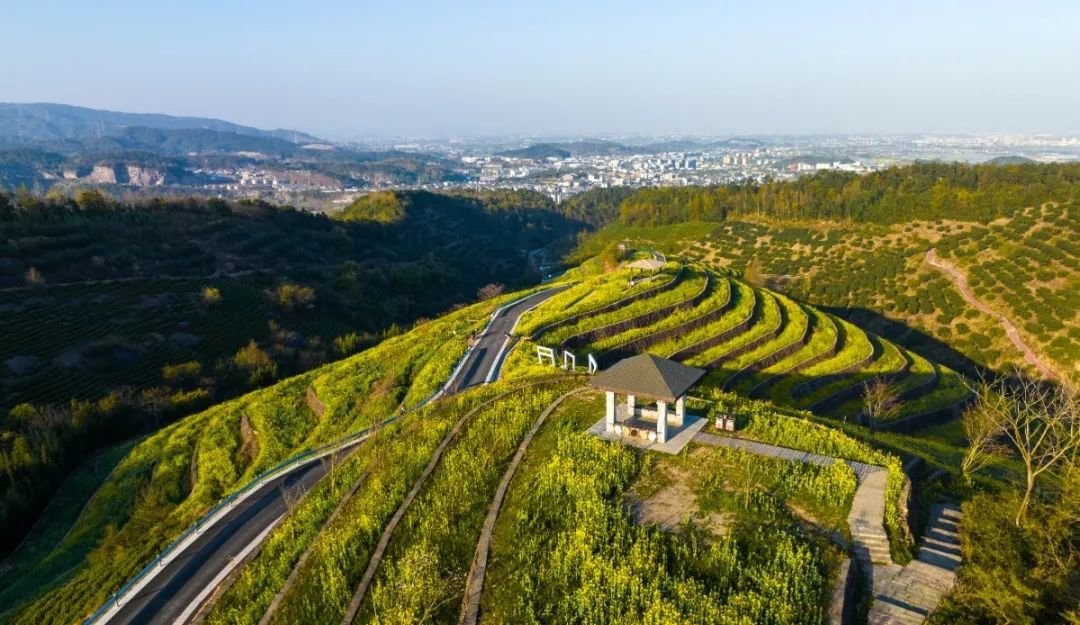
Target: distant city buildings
[[570, 168]]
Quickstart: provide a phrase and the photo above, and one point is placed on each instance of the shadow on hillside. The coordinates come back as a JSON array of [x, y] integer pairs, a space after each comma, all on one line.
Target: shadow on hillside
[[912, 339]]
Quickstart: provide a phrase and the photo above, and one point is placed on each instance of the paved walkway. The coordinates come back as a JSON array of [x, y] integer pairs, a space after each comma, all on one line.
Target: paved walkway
[[1010, 329], [866, 520], [909, 595], [774, 451]]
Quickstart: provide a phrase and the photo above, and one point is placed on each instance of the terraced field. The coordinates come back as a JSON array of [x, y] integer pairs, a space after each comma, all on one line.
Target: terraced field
[[751, 340], [1024, 266]]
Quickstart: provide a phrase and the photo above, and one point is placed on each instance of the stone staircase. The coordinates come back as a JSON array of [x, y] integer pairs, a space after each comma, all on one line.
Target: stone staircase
[[870, 544], [914, 591]]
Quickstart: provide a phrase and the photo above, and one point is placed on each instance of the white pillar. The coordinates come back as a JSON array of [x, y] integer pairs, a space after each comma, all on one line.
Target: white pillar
[[680, 411], [661, 421], [631, 406], [609, 414]]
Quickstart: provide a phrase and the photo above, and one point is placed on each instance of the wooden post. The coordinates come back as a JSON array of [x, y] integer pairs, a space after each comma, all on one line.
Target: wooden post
[[631, 406], [609, 414], [680, 411], [661, 421]]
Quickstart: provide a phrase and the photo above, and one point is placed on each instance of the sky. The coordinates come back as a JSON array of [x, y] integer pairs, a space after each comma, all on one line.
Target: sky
[[366, 68]]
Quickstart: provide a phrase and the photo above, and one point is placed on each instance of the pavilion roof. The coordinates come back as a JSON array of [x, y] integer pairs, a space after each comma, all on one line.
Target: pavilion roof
[[648, 376]]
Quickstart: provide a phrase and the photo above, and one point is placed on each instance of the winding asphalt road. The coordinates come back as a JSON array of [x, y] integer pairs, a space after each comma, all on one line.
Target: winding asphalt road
[[180, 582], [179, 586], [486, 357]]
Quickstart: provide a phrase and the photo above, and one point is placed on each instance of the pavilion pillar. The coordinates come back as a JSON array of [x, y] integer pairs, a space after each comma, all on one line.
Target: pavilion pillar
[[661, 421], [631, 406], [609, 414], [680, 411]]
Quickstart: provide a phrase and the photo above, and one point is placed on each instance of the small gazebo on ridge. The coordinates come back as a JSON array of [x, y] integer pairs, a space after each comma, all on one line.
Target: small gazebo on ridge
[[650, 377]]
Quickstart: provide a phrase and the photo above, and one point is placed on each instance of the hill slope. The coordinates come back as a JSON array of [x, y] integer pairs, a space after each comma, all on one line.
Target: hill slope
[[41, 122]]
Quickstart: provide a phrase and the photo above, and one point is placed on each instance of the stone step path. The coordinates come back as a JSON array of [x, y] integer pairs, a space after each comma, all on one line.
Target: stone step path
[[866, 520], [914, 591]]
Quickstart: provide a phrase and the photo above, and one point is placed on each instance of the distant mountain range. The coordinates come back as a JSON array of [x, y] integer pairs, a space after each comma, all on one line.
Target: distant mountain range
[[46, 122], [42, 145], [541, 151]]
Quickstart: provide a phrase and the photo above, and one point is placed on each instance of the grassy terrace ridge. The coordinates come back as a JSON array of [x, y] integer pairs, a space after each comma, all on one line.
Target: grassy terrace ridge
[[689, 285], [920, 380], [432, 549], [949, 391], [794, 331], [856, 350], [768, 318], [823, 339], [745, 300], [719, 293], [171, 478], [921, 376], [340, 550], [888, 359], [596, 289]]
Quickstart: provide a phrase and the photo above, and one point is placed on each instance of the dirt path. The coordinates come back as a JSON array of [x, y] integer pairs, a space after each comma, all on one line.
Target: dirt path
[[474, 583], [961, 282]]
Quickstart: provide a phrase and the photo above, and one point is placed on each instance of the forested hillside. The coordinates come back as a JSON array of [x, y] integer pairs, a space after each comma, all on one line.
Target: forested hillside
[[118, 318], [858, 246], [895, 195]]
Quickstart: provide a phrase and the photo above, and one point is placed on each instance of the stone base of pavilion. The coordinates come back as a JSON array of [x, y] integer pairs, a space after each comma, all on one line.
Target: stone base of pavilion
[[634, 430]]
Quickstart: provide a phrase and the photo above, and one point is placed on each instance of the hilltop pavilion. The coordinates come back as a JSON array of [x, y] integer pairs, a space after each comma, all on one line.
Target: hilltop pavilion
[[656, 380]]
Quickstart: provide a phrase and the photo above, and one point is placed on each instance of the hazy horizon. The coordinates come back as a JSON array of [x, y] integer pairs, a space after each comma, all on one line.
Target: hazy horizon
[[609, 69]]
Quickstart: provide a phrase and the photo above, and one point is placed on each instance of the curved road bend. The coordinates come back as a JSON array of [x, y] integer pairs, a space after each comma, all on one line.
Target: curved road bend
[[180, 583], [490, 350]]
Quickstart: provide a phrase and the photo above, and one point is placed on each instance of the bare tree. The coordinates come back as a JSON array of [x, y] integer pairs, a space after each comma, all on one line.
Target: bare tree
[[291, 496], [34, 277], [983, 428], [489, 291], [880, 400], [1040, 420], [751, 478]]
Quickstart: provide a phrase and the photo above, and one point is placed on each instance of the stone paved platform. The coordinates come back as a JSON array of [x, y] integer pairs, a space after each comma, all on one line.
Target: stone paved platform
[[678, 436]]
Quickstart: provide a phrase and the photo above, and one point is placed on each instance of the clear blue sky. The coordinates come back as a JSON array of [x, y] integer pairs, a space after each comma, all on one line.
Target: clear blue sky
[[407, 68]]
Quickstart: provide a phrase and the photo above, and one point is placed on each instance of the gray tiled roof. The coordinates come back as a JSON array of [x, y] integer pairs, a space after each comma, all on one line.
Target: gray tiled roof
[[649, 376]]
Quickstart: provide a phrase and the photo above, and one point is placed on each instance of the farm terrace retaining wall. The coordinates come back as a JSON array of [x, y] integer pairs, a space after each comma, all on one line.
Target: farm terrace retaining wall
[[930, 418], [771, 334], [641, 344], [766, 384], [776, 356], [717, 339], [808, 387], [851, 392], [609, 307], [644, 319]]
